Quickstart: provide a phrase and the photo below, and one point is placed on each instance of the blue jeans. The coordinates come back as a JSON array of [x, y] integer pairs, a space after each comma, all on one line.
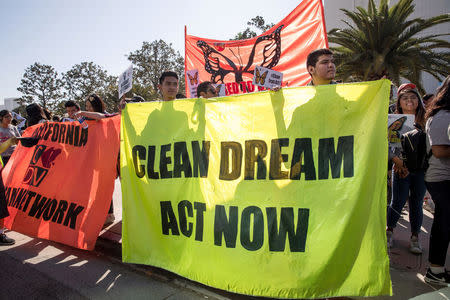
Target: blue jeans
[[414, 186]]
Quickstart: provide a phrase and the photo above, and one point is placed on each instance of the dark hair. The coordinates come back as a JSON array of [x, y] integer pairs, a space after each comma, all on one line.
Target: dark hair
[[48, 114], [34, 114], [180, 96], [3, 113], [203, 87], [420, 111], [97, 103], [137, 98], [441, 100], [56, 118], [71, 103], [313, 56], [426, 97], [167, 74]]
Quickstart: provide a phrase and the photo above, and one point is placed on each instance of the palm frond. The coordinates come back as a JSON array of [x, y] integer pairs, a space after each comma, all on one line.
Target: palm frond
[[385, 40]]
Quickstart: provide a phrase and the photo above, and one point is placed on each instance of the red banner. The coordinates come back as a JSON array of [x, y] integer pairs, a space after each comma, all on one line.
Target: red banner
[[61, 188], [283, 48]]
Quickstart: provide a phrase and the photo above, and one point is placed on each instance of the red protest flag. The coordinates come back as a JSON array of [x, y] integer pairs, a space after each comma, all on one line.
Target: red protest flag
[[61, 188], [283, 48]]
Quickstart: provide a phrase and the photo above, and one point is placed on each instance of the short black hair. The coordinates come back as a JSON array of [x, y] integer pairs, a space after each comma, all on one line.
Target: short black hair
[[71, 103], [4, 112], [167, 74], [203, 87], [313, 56]]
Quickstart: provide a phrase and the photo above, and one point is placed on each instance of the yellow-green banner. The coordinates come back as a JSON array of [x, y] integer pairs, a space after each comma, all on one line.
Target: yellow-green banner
[[278, 194]]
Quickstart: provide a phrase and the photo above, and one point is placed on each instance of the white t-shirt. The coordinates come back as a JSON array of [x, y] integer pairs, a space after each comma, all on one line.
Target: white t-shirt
[[438, 129], [5, 134]]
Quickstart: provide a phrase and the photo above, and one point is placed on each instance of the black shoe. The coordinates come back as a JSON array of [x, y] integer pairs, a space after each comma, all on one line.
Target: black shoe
[[441, 278], [6, 241]]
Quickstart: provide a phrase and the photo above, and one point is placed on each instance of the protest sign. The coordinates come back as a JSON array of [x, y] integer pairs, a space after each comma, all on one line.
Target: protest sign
[[193, 82], [125, 81], [19, 119], [267, 78], [220, 89], [275, 194], [398, 124]]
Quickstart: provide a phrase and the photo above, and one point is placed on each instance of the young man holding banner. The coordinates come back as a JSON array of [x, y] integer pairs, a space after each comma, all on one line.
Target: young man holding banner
[[168, 85], [321, 67], [71, 108]]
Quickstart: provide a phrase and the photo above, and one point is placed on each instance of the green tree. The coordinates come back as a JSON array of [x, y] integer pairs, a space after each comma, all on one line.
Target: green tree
[[150, 61], [110, 94], [40, 84], [384, 41], [86, 78], [257, 23]]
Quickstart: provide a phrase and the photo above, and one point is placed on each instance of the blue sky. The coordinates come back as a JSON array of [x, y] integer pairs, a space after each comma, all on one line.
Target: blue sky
[[64, 33]]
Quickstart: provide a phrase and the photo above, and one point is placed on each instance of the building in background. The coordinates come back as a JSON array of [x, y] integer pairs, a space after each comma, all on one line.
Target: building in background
[[424, 9], [10, 104]]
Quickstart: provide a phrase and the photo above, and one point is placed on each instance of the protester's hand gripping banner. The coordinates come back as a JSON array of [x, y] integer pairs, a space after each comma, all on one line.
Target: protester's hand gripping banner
[[277, 194], [61, 188], [283, 48]]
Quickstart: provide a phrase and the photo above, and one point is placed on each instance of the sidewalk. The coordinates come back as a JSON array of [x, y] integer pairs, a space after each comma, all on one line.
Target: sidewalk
[[407, 269]]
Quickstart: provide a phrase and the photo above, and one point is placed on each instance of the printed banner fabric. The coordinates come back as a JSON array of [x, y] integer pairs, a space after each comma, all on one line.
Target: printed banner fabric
[[61, 188], [277, 194], [283, 48]]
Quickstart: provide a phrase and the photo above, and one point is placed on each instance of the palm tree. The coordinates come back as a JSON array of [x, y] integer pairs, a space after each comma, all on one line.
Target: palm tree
[[383, 42]]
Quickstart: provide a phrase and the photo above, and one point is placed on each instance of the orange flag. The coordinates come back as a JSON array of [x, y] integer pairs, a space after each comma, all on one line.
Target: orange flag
[[283, 48], [61, 188]]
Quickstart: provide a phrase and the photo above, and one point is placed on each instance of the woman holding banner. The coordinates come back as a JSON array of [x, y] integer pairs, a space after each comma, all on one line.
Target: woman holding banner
[[95, 110], [407, 181], [438, 182], [6, 132]]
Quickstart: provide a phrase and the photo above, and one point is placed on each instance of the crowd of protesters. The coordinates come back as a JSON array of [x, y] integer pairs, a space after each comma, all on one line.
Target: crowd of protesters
[[422, 164]]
